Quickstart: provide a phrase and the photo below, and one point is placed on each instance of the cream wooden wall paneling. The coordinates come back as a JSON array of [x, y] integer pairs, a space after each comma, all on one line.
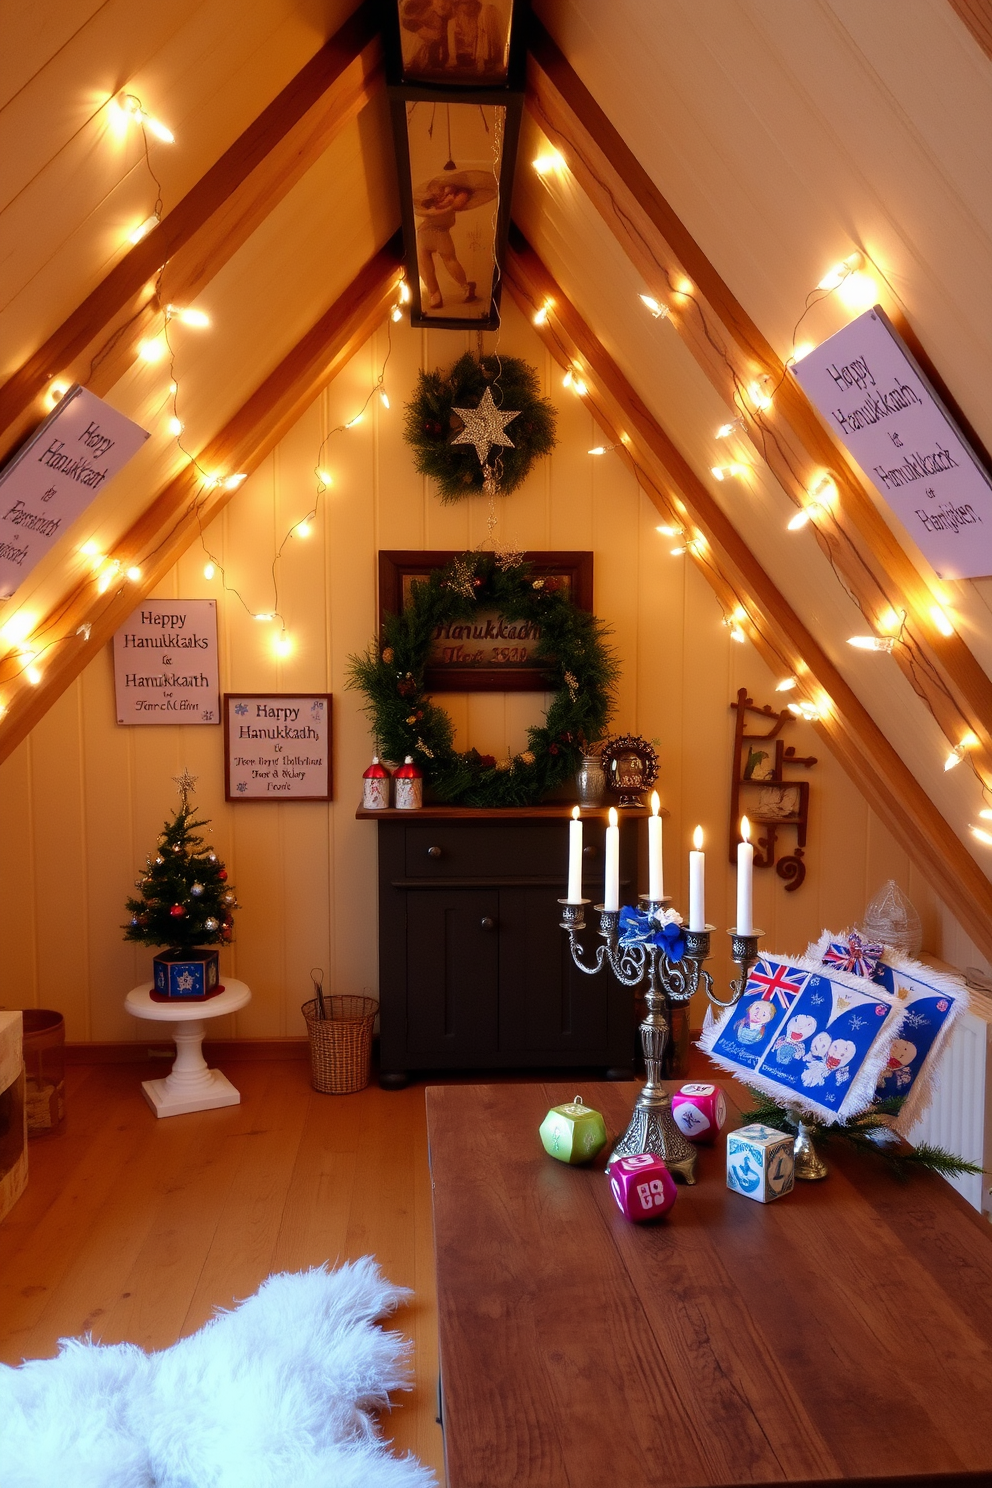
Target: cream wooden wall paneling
[[672, 386], [84, 799], [208, 79]]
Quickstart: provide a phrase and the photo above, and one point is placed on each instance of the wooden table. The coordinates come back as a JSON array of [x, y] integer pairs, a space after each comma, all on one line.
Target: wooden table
[[843, 1332]]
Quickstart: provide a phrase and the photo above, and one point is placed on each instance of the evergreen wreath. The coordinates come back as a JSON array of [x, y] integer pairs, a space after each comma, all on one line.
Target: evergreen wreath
[[582, 671], [431, 421]]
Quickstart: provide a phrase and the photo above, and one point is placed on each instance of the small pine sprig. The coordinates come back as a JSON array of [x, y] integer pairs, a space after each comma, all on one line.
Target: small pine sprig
[[870, 1131]]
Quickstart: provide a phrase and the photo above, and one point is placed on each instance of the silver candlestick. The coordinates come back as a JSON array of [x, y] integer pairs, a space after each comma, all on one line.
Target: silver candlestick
[[652, 1127]]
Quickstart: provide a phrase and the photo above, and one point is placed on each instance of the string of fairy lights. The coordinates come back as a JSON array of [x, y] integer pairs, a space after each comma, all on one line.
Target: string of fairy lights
[[27, 643], [753, 400]]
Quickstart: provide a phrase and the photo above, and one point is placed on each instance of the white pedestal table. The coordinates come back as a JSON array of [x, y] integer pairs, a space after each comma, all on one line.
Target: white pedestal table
[[190, 1086]]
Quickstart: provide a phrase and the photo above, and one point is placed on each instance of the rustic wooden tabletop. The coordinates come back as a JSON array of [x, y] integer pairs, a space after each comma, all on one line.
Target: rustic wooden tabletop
[[843, 1332]]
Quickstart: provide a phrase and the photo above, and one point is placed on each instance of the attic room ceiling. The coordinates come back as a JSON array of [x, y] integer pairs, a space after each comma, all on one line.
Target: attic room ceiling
[[783, 136]]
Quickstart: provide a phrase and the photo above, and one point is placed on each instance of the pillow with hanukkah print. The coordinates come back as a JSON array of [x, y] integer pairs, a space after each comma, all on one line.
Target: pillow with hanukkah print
[[931, 1001], [809, 1037], [742, 1035]]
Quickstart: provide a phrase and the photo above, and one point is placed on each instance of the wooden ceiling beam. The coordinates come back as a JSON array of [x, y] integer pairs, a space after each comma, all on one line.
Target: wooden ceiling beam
[[85, 620], [738, 578], [977, 16], [733, 353], [99, 340]]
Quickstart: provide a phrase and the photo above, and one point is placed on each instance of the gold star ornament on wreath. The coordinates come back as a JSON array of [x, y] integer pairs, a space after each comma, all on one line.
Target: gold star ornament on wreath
[[457, 428]]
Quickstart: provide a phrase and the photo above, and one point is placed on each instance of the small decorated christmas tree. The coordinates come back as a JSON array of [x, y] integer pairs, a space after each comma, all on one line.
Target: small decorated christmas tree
[[186, 900]]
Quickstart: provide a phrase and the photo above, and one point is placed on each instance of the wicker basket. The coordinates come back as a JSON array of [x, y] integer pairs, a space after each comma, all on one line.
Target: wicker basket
[[341, 1043]]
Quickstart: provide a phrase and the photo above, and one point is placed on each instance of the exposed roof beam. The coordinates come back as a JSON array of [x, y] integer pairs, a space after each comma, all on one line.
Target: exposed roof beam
[[206, 228], [977, 16], [733, 353], [184, 506], [738, 578]]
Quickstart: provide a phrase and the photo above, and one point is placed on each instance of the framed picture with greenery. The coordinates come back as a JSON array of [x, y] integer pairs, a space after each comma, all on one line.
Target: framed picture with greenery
[[488, 652]]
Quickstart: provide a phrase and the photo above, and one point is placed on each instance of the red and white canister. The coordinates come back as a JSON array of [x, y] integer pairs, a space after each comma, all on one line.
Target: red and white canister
[[409, 786], [375, 786]]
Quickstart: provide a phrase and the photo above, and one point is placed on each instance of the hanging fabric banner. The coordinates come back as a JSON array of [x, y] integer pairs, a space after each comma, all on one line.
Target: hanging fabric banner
[[68, 461], [877, 400]]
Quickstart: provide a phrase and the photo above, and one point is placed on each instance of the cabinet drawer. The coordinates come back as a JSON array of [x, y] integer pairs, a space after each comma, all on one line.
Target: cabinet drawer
[[518, 850]]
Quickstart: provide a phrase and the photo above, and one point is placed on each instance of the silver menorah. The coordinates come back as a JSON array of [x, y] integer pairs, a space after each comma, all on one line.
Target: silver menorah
[[652, 1126]]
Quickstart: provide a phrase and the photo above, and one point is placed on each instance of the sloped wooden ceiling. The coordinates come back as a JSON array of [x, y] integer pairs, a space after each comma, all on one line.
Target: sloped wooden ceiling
[[779, 134]]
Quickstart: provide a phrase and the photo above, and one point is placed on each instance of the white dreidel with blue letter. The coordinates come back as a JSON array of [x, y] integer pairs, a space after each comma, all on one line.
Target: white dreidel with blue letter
[[760, 1162]]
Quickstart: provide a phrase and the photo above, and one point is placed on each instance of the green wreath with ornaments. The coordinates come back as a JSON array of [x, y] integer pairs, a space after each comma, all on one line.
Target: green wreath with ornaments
[[479, 426], [582, 672]]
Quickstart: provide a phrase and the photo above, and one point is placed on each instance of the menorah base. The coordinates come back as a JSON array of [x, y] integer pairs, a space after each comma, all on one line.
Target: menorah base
[[652, 1129]]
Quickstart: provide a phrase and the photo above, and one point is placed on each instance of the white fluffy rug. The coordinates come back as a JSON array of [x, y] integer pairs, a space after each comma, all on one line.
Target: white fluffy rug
[[275, 1394]]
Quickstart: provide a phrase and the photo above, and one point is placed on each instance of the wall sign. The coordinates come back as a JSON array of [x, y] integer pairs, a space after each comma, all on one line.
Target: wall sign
[[165, 663], [277, 746], [487, 653], [66, 464], [878, 401]]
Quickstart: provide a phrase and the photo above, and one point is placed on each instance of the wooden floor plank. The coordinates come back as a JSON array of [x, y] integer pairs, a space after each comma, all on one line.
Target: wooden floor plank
[[140, 1227]]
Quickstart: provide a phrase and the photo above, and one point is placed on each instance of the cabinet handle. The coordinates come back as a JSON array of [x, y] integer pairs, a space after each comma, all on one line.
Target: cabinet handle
[[433, 852], [487, 922], [590, 852]]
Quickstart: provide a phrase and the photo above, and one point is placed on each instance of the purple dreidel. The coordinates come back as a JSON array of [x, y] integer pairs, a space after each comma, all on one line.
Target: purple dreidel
[[642, 1186], [699, 1111]]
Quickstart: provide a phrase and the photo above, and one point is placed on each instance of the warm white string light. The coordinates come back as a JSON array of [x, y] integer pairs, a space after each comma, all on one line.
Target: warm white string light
[[655, 307], [787, 684], [549, 163], [723, 472]]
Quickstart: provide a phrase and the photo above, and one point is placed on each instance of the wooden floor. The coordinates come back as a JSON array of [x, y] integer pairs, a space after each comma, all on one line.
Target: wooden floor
[[135, 1229]]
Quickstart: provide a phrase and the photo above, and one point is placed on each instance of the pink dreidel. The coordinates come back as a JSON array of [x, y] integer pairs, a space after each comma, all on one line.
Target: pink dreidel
[[699, 1111], [642, 1186]]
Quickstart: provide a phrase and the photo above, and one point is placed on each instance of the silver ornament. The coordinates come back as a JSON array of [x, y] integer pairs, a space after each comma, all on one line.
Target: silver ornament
[[484, 426], [210, 924], [159, 861], [196, 890], [211, 857], [228, 898]]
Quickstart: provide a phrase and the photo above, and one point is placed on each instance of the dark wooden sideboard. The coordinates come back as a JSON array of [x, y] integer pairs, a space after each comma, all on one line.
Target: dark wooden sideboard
[[474, 971]]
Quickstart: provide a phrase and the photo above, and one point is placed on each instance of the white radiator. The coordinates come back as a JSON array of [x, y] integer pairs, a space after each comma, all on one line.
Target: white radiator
[[960, 1117]]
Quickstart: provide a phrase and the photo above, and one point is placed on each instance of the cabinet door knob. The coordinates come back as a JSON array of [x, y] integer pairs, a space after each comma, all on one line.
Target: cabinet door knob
[[487, 922], [590, 852], [433, 852]]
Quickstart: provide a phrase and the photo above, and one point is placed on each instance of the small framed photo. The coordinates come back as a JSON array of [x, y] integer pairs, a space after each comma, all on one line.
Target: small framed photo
[[277, 746]]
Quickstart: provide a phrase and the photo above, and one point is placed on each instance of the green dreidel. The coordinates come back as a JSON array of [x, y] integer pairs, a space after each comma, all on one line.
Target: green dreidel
[[574, 1133]]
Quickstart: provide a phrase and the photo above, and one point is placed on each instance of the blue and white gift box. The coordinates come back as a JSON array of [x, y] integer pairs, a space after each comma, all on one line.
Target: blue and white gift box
[[760, 1162], [186, 974]]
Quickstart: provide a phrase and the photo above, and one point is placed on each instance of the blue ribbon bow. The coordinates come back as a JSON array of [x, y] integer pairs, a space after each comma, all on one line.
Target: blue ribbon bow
[[638, 928]]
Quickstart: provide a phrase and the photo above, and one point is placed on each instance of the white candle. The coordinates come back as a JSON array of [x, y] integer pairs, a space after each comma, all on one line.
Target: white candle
[[611, 891], [656, 874], [574, 894], [745, 880], [697, 882]]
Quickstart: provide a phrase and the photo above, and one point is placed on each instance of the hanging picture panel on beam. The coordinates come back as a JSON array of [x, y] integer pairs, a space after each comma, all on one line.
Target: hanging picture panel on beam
[[455, 76], [455, 162], [877, 400]]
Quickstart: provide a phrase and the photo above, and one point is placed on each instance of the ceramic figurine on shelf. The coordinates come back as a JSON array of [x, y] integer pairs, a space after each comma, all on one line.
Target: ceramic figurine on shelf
[[375, 786], [574, 1133], [409, 785], [642, 1186], [699, 1111]]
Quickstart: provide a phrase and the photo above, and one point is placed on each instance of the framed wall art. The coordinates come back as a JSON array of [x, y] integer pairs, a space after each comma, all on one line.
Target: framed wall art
[[277, 746], [455, 79], [489, 653]]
